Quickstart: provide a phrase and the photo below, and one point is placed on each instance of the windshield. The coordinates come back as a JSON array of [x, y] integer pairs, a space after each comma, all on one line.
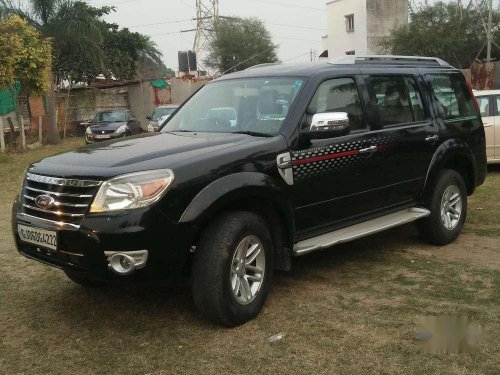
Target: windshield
[[253, 105], [160, 112], [111, 116]]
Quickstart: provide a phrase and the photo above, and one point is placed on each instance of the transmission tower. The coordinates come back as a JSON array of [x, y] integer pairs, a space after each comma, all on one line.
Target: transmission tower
[[207, 15]]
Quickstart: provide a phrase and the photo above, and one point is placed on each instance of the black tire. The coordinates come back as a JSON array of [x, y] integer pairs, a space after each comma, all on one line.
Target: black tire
[[212, 277], [432, 228], [82, 280]]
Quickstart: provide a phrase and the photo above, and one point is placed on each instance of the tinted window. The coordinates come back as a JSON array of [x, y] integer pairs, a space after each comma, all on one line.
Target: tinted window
[[397, 100], [452, 95], [338, 95], [484, 105]]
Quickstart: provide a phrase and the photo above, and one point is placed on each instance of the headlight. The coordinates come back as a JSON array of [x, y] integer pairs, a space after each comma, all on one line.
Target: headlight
[[121, 129], [151, 129], [133, 190], [88, 130]]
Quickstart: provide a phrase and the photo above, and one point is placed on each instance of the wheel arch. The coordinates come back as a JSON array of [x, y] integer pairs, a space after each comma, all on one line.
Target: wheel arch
[[454, 154], [253, 192]]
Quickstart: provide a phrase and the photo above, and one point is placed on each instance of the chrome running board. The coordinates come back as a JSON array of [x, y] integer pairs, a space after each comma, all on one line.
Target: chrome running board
[[359, 230]]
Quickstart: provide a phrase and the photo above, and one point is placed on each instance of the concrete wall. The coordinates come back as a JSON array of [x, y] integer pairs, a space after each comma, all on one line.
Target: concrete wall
[[383, 17], [141, 100], [339, 40], [182, 88]]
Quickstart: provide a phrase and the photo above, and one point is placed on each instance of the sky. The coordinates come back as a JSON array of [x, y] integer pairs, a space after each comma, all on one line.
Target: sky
[[295, 25]]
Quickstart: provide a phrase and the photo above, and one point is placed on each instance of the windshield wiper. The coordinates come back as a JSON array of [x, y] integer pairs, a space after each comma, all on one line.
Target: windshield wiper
[[254, 134]]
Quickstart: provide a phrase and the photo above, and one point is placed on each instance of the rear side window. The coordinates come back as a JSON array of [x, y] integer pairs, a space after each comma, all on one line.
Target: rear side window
[[396, 100], [498, 106], [484, 105], [338, 95], [452, 95]]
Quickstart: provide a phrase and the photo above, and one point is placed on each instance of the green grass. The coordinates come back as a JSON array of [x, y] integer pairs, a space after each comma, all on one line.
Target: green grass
[[349, 310]]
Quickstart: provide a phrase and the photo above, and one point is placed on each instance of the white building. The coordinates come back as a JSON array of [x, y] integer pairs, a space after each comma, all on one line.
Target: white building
[[358, 26]]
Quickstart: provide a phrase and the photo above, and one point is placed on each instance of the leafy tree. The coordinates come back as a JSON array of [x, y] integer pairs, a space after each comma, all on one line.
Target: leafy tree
[[126, 52], [446, 30], [73, 25], [25, 57], [240, 43]]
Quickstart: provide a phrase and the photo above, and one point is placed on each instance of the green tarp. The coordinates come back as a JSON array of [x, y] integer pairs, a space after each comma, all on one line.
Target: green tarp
[[7, 100], [159, 83]]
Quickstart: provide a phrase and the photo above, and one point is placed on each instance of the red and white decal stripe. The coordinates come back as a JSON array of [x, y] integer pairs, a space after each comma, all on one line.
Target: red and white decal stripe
[[325, 157]]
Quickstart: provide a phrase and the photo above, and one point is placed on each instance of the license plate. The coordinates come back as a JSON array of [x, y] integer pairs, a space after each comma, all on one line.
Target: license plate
[[102, 136], [36, 236]]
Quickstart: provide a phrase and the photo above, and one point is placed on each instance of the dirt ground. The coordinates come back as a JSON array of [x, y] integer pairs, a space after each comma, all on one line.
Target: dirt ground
[[351, 309]]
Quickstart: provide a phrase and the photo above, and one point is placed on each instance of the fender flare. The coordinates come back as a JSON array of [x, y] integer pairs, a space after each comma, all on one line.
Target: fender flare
[[448, 150], [235, 187]]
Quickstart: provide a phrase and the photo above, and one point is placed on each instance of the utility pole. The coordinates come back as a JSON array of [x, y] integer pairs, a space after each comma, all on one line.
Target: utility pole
[[207, 15], [489, 31]]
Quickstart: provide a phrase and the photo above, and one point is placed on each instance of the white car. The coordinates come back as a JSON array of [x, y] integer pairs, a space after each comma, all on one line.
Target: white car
[[489, 104]]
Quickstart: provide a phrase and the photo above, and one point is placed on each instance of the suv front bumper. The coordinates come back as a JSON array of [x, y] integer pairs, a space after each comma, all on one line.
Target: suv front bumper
[[85, 249]]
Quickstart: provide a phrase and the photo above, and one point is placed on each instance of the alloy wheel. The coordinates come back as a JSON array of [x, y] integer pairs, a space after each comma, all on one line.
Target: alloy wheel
[[451, 207], [247, 270]]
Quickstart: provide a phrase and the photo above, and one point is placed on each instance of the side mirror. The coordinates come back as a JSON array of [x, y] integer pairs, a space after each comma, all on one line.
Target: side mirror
[[132, 119], [148, 118], [329, 125]]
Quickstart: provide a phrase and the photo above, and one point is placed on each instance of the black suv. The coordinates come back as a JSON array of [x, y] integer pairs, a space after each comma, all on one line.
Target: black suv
[[258, 167]]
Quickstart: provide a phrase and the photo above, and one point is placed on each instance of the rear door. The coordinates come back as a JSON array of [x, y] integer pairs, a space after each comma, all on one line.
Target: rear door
[[406, 133]]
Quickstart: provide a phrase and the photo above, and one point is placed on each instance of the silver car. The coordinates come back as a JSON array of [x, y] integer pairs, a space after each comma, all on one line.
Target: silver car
[[160, 114]]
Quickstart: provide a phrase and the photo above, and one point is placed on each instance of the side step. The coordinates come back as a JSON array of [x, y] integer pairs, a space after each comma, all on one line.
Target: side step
[[359, 230]]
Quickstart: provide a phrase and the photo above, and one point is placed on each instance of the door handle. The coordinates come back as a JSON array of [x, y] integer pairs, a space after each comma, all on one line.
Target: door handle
[[368, 150], [432, 139], [488, 125]]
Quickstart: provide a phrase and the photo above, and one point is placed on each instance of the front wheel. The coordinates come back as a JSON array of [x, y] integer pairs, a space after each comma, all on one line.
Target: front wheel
[[447, 201], [233, 268]]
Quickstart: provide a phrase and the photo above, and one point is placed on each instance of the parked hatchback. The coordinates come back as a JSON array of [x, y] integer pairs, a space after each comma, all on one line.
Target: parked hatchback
[[108, 125], [489, 105], [310, 156]]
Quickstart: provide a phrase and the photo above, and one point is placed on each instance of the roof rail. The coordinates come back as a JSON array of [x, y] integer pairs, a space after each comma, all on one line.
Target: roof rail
[[381, 59], [262, 65]]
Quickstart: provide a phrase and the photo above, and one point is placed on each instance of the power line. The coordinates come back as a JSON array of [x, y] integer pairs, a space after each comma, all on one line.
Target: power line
[[162, 23], [290, 5]]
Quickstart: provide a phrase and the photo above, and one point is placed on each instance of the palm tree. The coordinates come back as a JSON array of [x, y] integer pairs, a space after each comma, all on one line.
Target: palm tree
[[72, 25]]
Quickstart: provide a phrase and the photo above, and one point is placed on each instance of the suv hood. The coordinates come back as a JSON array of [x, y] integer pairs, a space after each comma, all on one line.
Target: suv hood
[[132, 154]]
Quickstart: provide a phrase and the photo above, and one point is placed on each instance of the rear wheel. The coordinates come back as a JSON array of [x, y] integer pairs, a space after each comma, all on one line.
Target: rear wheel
[[233, 268], [447, 201]]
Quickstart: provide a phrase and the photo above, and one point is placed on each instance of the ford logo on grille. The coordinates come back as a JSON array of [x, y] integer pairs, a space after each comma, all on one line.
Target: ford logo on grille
[[44, 201]]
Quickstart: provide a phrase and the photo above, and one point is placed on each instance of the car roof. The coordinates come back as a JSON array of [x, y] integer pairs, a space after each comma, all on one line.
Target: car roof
[[486, 92], [168, 106], [345, 62]]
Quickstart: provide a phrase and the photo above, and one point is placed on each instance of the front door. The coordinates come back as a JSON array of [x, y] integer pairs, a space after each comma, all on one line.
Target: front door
[[335, 179]]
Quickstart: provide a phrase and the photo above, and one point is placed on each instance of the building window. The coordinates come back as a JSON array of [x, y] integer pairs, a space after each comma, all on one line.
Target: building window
[[350, 52], [349, 23]]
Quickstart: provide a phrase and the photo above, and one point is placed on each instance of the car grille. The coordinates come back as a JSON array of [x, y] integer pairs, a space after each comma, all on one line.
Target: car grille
[[103, 131], [70, 199]]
